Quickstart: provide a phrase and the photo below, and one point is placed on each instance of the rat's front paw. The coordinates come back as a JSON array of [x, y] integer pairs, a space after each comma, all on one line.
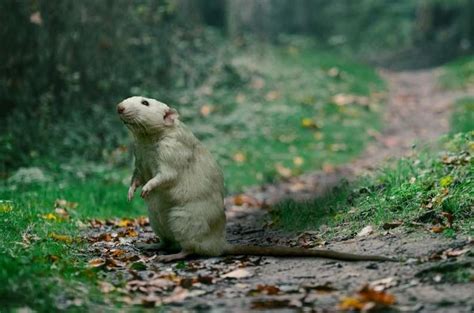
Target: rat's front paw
[[131, 192], [148, 188], [145, 191]]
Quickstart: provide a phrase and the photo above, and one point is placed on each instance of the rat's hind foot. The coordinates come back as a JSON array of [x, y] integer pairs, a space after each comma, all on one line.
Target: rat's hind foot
[[173, 257]]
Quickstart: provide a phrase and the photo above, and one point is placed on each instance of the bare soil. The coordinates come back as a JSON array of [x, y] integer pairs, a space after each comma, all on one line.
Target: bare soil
[[417, 112]]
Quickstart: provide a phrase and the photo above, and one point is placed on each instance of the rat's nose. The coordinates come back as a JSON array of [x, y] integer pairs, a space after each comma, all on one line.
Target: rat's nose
[[120, 108]]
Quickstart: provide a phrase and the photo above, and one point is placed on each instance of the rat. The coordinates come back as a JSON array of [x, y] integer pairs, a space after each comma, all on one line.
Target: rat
[[183, 187]]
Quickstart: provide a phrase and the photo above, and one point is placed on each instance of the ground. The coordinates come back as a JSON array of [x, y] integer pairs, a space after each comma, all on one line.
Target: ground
[[418, 112]]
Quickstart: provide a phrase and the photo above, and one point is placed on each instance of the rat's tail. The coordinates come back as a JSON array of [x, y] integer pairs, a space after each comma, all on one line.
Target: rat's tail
[[300, 252]]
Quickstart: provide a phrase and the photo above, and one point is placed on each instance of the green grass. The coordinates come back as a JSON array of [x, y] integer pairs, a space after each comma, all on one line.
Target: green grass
[[458, 74], [283, 115], [425, 188], [463, 116], [271, 109], [38, 269]]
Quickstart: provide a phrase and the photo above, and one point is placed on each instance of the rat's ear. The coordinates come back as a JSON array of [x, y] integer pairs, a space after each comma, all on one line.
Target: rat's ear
[[170, 117]]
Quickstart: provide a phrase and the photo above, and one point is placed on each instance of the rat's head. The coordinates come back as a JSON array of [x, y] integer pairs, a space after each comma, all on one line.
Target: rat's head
[[145, 116]]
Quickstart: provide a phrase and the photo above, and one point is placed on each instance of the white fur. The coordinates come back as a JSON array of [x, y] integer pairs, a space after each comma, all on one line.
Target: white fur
[[182, 183]]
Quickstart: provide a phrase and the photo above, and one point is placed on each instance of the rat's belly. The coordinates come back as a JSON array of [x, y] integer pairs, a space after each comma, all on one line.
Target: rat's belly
[[158, 213]]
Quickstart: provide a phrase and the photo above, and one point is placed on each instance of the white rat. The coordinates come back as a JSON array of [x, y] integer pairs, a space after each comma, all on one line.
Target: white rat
[[183, 187]]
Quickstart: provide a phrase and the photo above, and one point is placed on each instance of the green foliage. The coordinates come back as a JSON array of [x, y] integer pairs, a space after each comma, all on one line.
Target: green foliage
[[38, 270], [463, 116], [431, 29], [458, 74], [67, 64], [280, 112], [425, 188]]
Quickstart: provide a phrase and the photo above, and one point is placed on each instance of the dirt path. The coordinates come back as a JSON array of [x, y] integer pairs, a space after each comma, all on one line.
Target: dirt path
[[417, 112]]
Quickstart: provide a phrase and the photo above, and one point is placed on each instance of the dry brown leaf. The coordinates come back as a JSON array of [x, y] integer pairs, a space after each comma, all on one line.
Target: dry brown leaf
[[437, 229], [379, 297], [391, 225], [178, 295], [272, 95], [35, 18], [351, 303], [283, 171], [242, 199], [62, 213], [62, 203], [449, 217], [455, 253], [298, 161], [124, 222], [106, 287], [96, 223], [383, 284], [257, 83], [238, 273], [267, 289], [239, 157], [96, 262], [325, 288], [206, 109], [367, 230]]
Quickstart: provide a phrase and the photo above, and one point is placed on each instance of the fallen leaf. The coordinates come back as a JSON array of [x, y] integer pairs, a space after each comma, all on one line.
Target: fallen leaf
[[62, 213], [283, 171], [240, 98], [383, 284], [367, 230], [334, 72], [437, 229], [328, 168], [266, 289], [242, 199], [63, 238], [257, 83], [449, 217], [455, 253], [62, 203], [272, 95], [446, 181], [309, 123], [238, 273], [298, 161], [268, 304], [6, 206], [186, 282], [206, 280], [239, 157], [150, 301], [325, 288], [50, 217], [35, 18], [124, 222], [106, 287], [178, 295], [206, 110], [379, 297], [391, 225], [117, 252], [96, 262], [53, 258], [318, 135], [351, 303]]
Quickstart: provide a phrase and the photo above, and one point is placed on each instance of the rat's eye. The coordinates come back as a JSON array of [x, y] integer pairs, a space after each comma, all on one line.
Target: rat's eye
[[144, 102]]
